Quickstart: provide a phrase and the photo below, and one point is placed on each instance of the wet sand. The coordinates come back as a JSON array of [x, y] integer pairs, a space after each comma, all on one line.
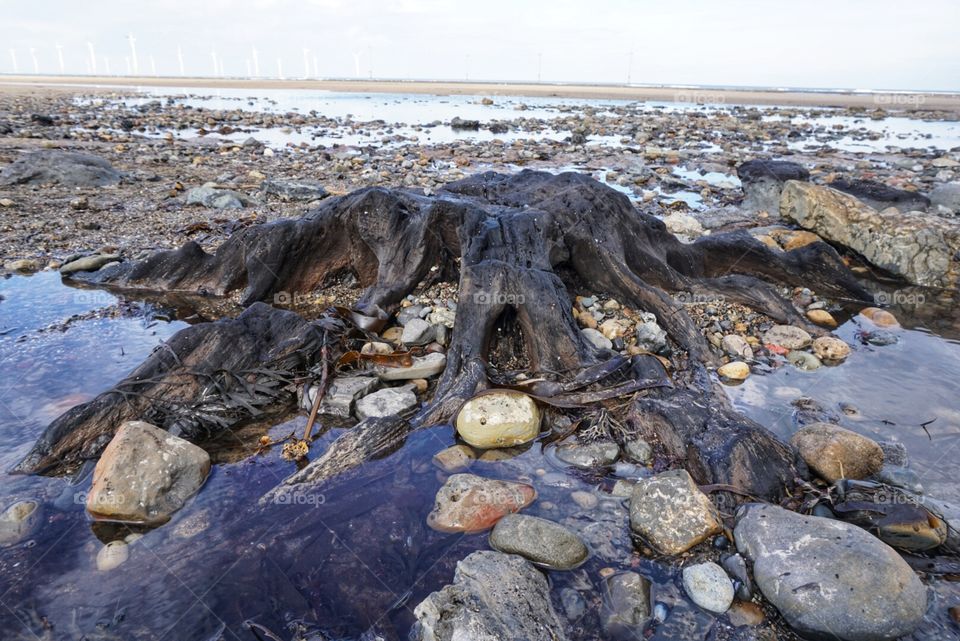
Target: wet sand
[[907, 101]]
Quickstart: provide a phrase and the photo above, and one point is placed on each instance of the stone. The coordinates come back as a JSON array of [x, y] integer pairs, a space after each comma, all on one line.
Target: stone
[[112, 555], [683, 225], [501, 418], [735, 346], [638, 451], [822, 317], [67, 168], [455, 458], [921, 248], [573, 604], [626, 605], [341, 395], [803, 360], [390, 401], [493, 597], [24, 265], [584, 500], [923, 533], [787, 336], [596, 338], [880, 317], [426, 366], [613, 329], [418, 332], [830, 348], [376, 347], [589, 455], [540, 541], [469, 503], [294, 190], [736, 567], [443, 316], [145, 475], [209, 195], [88, 263], [671, 513], [762, 182], [708, 586], [828, 578], [835, 453], [650, 336], [18, 522], [745, 613], [946, 195], [734, 371], [880, 196]]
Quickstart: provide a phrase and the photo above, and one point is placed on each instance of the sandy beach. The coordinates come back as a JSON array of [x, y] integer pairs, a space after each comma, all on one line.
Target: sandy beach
[[905, 100]]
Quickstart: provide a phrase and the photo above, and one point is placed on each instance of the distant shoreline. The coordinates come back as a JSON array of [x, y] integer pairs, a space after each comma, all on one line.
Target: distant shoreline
[[705, 95]]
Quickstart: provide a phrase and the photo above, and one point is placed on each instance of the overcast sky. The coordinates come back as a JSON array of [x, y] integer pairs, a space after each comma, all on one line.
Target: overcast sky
[[881, 44]]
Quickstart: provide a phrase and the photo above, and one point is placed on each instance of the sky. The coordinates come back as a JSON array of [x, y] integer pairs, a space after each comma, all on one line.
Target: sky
[[852, 44]]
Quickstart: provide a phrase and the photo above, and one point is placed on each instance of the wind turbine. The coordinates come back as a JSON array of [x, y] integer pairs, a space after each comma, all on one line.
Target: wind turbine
[[93, 58], [180, 58], [256, 63], [13, 57], [60, 57], [133, 54], [306, 63], [36, 65]]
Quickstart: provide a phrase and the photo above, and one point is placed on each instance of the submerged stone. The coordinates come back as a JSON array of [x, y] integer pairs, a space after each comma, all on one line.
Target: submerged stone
[[834, 452], [469, 503], [540, 541], [671, 513]]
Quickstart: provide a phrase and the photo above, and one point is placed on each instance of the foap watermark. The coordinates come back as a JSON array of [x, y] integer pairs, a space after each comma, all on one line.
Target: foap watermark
[[899, 99], [700, 97], [499, 298], [90, 297], [696, 298], [305, 499], [297, 299], [900, 297], [100, 499]]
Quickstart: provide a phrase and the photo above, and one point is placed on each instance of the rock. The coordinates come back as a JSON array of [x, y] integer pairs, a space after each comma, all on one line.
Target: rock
[[418, 332], [209, 195], [614, 329], [459, 123], [423, 367], [946, 195], [822, 317], [145, 474], [736, 347], [443, 316], [6, 202], [803, 360], [923, 533], [763, 180], [828, 578], [671, 513], [922, 248], [708, 586], [626, 605], [734, 371], [638, 451], [944, 161], [589, 455], [879, 317], [18, 522], [23, 265], [294, 190], [88, 263], [341, 395], [112, 555], [829, 348], [650, 336], [787, 336], [683, 225], [745, 613], [573, 604], [736, 567], [540, 541], [376, 347], [502, 418], [67, 168], [596, 338], [468, 503], [493, 597], [880, 196], [390, 401], [835, 453], [584, 500], [455, 458]]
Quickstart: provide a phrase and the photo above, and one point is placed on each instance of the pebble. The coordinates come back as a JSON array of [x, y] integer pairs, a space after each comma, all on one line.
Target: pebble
[[735, 346], [821, 317], [830, 348], [671, 513], [18, 521], [585, 500], [469, 503], [626, 604], [597, 339], [734, 371], [589, 455], [386, 402], [417, 332], [787, 337], [112, 555], [24, 265], [456, 458], [502, 418], [880, 317], [708, 586], [803, 360], [834, 452], [745, 613], [88, 263], [638, 451], [540, 541]]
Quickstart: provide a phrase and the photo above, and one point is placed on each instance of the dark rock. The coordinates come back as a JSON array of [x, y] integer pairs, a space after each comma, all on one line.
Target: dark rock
[[67, 168], [880, 196], [493, 596], [540, 541], [459, 123], [763, 181], [296, 190], [626, 604]]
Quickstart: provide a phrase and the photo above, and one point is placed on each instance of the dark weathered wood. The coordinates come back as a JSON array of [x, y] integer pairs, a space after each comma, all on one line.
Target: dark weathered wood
[[519, 245]]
